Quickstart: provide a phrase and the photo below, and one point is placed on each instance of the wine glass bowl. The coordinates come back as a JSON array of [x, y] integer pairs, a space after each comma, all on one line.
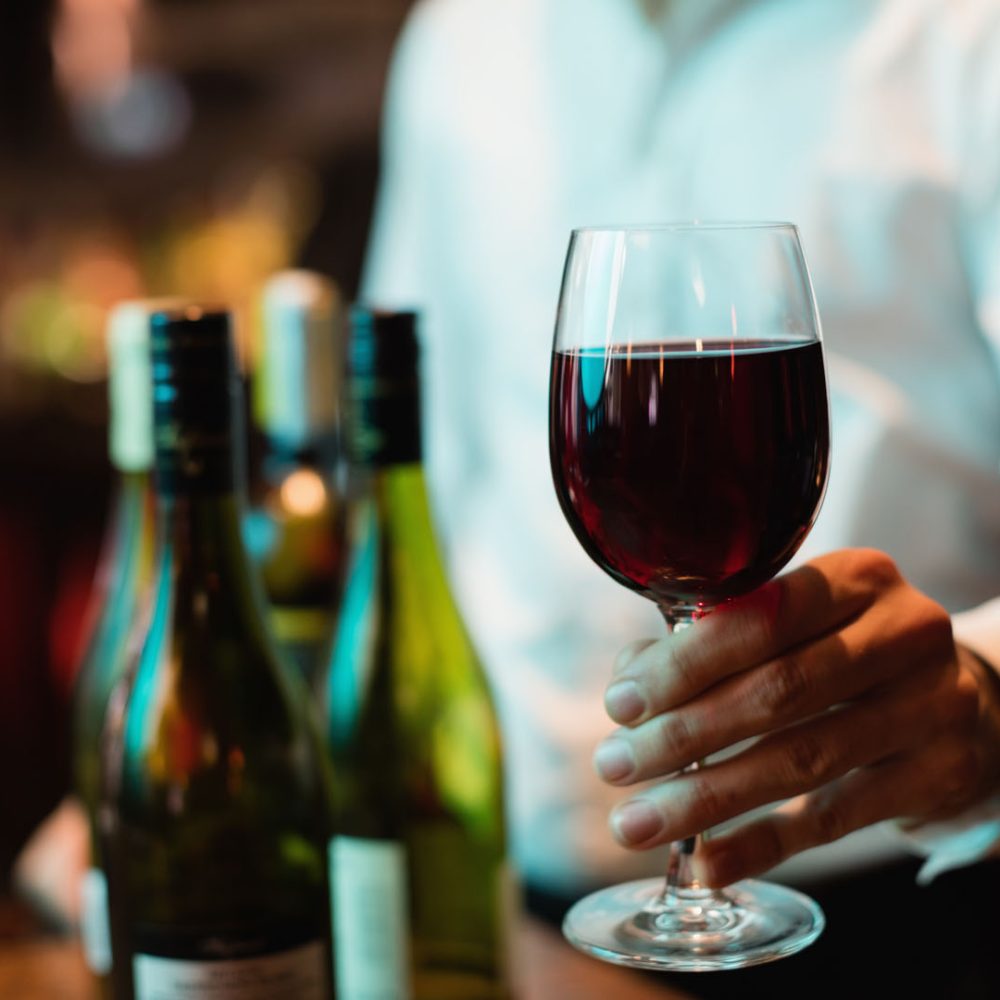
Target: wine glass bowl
[[689, 442], [655, 483]]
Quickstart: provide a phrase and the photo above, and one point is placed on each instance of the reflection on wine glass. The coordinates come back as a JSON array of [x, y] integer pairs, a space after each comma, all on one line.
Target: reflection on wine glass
[[689, 441]]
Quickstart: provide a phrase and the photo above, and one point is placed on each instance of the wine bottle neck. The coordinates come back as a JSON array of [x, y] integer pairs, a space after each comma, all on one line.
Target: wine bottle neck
[[400, 491], [384, 426], [126, 554], [134, 521], [399, 494], [318, 452], [200, 536], [136, 493]]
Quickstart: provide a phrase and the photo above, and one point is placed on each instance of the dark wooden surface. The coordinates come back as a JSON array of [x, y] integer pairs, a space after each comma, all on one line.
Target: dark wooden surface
[[34, 966]]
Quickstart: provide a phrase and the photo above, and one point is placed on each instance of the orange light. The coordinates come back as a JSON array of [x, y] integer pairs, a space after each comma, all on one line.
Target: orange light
[[303, 493]]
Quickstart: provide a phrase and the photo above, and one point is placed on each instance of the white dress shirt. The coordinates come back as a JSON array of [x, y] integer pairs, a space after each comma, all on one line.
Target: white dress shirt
[[875, 126]]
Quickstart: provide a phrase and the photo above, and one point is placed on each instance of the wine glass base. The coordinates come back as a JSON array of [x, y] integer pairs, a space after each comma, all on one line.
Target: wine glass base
[[748, 923]]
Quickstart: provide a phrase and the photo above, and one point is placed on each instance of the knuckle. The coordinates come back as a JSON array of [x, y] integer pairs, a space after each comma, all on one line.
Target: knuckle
[[964, 714], [829, 819], [953, 704], [930, 626], [684, 666], [737, 856], [751, 627], [769, 846], [675, 739], [627, 656], [962, 771], [723, 863], [807, 761], [785, 688], [710, 803], [873, 568]]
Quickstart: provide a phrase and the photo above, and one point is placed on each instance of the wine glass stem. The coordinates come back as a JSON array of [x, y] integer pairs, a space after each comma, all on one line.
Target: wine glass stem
[[681, 886], [680, 878]]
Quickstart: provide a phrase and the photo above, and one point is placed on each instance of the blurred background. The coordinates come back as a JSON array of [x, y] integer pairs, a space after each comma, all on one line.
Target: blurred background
[[146, 147]]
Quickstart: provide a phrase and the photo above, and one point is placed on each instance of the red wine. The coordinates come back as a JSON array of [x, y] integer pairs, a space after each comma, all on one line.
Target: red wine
[[690, 471]]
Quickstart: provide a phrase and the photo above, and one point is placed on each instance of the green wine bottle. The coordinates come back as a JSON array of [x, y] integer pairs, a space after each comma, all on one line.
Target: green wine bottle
[[417, 858], [214, 807], [295, 526], [125, 572]]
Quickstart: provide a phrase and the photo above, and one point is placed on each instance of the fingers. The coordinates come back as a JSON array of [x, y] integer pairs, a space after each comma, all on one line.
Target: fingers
[[785, 690], [628, 655], [625, 699], [894, 787], [815, 599], [851, 685], [784, 764], [849, 682], [800, 683], [858, 799]]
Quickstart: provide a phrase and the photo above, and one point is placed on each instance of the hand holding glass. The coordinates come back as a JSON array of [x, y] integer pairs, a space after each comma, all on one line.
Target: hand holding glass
[[689, 440]]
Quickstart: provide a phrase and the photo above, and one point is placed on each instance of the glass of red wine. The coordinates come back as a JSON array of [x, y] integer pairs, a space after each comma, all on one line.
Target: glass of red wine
[[689, 441]]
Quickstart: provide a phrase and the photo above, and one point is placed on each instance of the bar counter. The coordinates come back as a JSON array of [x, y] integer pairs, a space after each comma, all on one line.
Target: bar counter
[[43, 967]]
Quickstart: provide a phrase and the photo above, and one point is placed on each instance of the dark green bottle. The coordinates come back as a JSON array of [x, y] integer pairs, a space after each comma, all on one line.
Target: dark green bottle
[[214, 805], [421, 896], [124, 576]]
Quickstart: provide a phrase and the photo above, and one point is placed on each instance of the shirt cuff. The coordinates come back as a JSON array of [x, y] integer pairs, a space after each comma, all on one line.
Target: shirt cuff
[[975, 834], [955, 843], [979, 630]]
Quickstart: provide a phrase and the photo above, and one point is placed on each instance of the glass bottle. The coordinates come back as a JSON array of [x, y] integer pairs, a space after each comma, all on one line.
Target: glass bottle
[[124, 576], [421, 891], [214, 807], [295, 527]]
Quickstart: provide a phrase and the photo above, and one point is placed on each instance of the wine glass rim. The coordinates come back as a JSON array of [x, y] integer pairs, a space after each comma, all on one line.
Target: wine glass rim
[[689, 225]]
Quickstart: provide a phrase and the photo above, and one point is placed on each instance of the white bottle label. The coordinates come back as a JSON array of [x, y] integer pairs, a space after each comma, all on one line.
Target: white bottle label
[[370, 905], [297, 974], [94, 927]]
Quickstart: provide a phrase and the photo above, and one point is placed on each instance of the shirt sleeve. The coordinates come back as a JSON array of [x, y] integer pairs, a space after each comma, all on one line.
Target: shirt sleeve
[[406, 262], [392, 276], [979, 174], [975, 835], [979, 628]]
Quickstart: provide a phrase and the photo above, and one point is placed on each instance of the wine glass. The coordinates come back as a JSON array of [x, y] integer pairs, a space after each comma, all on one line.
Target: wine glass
[[689, 442]]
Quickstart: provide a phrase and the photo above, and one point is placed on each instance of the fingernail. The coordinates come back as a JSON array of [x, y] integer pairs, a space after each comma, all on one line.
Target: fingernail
[[624, 702], [614, 760], [636, 822]]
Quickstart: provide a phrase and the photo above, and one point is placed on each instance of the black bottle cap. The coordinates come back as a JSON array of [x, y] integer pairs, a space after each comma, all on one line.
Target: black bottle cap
[[195, 394], [382, 344], [191, 342], [382, 391]]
